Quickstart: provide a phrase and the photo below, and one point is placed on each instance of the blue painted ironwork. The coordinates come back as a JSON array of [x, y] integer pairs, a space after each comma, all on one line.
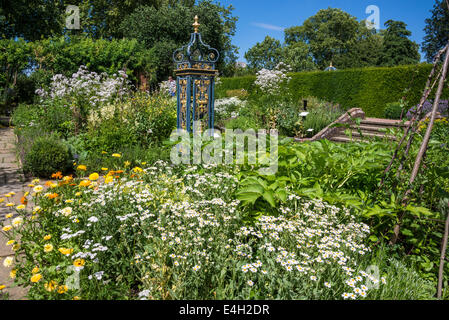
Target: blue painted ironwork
[[195, 82]]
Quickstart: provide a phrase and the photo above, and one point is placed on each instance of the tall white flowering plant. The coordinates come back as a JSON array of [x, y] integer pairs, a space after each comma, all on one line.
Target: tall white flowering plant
[[85, 91], [91, 86], [271, 81]]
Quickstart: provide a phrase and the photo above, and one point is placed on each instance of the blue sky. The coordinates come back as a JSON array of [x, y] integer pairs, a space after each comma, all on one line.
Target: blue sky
[[259, 18]]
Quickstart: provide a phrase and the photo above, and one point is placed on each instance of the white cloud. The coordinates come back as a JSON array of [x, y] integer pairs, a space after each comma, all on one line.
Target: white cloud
[[267, 26]]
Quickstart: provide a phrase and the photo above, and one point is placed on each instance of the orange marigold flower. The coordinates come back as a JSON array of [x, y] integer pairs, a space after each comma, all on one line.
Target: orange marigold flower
[[52, 195], [23, 200], [85, 183], [82, 167], [57, 175]]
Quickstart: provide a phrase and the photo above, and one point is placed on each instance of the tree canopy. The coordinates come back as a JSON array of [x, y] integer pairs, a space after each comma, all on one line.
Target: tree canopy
[[437, 30], [164, 30], [333, 35], [397, 48]]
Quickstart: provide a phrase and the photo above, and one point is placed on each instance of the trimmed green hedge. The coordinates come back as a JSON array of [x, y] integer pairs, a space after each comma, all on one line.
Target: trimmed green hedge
[[368, 88]]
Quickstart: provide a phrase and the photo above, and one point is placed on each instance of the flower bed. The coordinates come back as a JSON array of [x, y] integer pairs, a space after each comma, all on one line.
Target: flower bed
[[167, 233]]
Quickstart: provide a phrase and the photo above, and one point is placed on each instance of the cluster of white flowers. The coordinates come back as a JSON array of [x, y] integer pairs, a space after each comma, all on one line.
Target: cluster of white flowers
[[224, 106], [270, 81], [91, 86], [168, 87]]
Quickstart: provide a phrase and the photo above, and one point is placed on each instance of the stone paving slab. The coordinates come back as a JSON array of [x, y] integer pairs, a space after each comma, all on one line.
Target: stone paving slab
[[11, 180]]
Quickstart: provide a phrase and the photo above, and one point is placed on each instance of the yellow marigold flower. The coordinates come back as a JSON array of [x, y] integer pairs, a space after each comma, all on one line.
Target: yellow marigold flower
[[48, 248], [81, 167], [38, 189], [31, 185], [116, 155], [76, 298], [50, 286], [20, 207], [36, 278], [78, 194], [137, 169], [2, 287], [47, 237], [8, 262], [127, 163], [12, 193], [144, 163], [62, 289], [10, 242], [35, 181], [13, 273], [10, 204], [104, 169], [9, 215], [94, 176], [69, 201], [108, 179], [7, 228], [79, 262], [35, 270], [1, 200], [65, 251], [7, 195], [85, 183]]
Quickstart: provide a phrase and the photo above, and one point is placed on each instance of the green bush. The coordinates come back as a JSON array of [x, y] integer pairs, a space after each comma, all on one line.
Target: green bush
[[368, 88], [47, 156], [111, 136], [393, 111]]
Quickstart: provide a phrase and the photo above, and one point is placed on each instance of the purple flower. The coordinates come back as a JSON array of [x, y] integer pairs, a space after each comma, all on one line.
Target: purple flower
[[443, 108]]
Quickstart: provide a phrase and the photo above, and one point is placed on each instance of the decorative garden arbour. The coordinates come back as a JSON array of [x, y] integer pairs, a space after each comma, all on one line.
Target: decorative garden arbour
[[195, 83]]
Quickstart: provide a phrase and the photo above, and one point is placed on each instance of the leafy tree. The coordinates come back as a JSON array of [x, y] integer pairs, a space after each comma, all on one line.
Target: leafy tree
[[169, 27], [298, 57], [330, 33], [397, 48], [364, 51], [62, 55], [266, 54], [30, 19], [36, 19], [333, 35], [14, 59], [437, 30]]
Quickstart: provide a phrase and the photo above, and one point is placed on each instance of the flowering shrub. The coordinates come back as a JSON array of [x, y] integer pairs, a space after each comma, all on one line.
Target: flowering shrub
[[87, 86], [166, 233], [270, 81], [168, 87], [227, 108]]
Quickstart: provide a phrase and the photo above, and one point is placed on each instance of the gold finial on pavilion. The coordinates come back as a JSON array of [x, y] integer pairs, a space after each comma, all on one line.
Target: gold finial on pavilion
[[196, 24]]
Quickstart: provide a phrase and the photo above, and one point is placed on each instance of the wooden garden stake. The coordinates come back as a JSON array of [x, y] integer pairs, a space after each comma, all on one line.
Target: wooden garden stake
[[442, 258], [424, 145]]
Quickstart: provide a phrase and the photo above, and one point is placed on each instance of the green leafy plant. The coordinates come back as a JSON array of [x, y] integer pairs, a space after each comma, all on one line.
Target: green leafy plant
[[47, 155]]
